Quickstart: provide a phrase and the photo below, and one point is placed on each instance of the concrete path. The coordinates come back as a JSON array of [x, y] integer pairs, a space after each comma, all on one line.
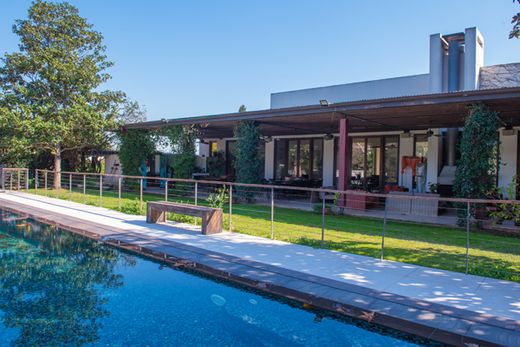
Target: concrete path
[[486, 296]]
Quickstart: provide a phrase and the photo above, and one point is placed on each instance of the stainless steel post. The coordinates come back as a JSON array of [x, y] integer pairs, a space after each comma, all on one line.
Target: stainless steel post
[[272, 213], [382, 255], [230, 207], [45, 182], [468, 216], [196, 193], [323, 219], [165, 190], [100, 190], [84, 189], [140, 195], [70, 187], [119, 192], [36, 178], [18, 172], [10, 180], [26, 180]]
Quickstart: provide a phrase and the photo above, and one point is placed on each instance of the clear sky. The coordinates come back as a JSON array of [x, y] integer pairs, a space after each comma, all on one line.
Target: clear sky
[[187, 58]]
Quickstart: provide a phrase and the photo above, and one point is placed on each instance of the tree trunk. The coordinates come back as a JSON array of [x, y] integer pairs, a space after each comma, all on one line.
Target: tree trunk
[[57, 168]]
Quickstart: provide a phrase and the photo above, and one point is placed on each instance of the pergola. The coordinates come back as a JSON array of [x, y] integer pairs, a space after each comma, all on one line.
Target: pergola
[[418, 112]]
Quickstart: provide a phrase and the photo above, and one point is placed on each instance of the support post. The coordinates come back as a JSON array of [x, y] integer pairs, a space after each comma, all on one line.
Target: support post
[[45, 182], [26, 180], [230, 207], [100, 190], [165, 190], [382, 255], [119, 193], [18, 172], [196, 193], [84, 189], [141, 194], [468, 217], [36, 178], [272, 213], [343, 162], [70, 187]]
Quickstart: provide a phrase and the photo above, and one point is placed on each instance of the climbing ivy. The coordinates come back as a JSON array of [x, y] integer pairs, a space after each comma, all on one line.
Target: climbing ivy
[[476, 168], [136, 146], [248, 158]]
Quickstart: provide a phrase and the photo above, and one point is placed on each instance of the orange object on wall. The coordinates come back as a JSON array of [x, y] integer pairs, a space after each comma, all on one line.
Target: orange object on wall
[[411, 162]]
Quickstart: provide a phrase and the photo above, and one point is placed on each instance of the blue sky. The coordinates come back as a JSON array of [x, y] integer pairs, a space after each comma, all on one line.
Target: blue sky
[[186, 58]]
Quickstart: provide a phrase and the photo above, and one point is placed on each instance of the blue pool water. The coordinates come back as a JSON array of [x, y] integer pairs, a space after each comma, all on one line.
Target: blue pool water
[[57, 288]]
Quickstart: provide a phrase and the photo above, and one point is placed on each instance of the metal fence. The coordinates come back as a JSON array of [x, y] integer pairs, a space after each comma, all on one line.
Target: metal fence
[[423, 228], [14, 179]]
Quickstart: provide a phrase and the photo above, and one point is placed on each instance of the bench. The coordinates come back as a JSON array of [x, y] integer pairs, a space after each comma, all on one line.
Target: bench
[[211, 217]]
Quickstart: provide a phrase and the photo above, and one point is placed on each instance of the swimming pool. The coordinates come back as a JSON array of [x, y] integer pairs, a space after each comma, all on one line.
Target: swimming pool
[[62, 289]]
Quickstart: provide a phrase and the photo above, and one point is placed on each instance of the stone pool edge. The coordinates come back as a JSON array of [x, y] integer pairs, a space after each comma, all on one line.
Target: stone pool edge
[[437, 322]]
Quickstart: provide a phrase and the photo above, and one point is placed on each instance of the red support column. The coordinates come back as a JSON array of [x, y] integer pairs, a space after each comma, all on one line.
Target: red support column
[[343, 178]]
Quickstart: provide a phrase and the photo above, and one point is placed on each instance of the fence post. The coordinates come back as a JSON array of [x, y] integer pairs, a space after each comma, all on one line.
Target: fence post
[[323, 219], [45, 182], [70, 187], [10, 180], [84, 189], [230, 207], [165, 190], [2, 179], [272, 213], [36, 181], [119, 193], [382, 255], [468, 217], [141, 194], [100, 190], [27, 180], [18, 172]]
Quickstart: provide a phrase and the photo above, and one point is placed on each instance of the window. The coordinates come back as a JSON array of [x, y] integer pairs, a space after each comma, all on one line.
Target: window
[[298, 158], [212, 148], [421, 146]]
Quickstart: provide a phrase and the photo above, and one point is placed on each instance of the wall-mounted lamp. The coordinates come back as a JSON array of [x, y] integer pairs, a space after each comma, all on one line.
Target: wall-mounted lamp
[[328, 137]]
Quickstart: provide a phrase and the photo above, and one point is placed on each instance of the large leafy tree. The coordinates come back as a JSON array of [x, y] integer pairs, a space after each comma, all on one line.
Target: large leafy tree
[[182, 140], [51, 87], [515, 32]]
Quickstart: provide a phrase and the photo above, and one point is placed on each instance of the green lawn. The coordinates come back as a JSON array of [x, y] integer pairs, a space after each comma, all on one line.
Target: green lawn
[[438, 247]]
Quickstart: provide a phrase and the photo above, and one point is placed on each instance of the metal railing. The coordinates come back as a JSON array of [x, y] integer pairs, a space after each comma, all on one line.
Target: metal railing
[[14, 179], [316, 216]]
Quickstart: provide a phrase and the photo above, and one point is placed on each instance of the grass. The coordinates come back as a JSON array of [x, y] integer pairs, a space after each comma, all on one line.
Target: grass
[[438, 247]]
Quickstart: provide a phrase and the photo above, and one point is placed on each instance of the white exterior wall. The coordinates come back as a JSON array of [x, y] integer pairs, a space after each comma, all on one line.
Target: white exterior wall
[[508, 158], [269, 160], [385, 88], [328, 163], [437, 62]]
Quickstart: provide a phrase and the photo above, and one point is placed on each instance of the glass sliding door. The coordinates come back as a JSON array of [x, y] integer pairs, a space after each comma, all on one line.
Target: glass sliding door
[[299, 159], [391, 156], [358, 163]]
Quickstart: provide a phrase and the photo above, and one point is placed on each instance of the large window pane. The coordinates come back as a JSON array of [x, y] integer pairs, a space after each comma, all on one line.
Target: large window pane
[[280, 155], [391, 159], [358, 162], [317, 160], [421, 146], [373, 163], [292, 158], [305, 159]]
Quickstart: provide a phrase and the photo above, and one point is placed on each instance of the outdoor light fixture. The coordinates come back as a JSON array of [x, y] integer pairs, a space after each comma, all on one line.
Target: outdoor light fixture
[[268, 139], [328, 137], [324, 103], [429, 132]]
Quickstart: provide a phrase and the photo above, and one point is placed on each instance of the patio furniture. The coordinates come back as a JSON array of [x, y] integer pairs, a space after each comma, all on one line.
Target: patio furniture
[[211, 217]]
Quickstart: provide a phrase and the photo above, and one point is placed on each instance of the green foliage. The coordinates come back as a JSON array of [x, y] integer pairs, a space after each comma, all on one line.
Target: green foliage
[[216, 164], [249, 162], [515, 32], [136, 146], [242, 108], [51, 87], [131, 207], [182, 140], [218, 199], [478, 156]]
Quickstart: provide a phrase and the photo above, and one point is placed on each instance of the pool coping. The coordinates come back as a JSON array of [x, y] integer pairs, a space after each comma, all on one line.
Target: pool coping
[[428, 320]]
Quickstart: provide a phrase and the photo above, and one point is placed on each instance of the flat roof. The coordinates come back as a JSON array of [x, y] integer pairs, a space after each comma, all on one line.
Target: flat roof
[[415, 112]]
